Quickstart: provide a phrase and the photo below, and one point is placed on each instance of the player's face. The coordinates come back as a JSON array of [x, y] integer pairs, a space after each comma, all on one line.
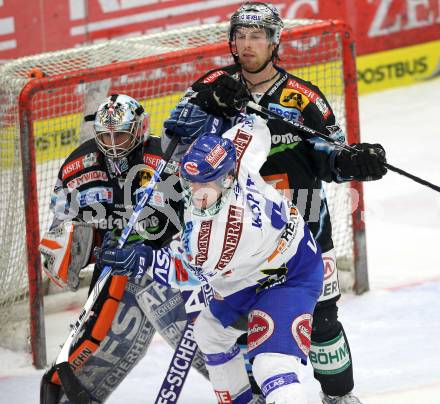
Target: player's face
[[121, 140], [253, 47], [203, 195]]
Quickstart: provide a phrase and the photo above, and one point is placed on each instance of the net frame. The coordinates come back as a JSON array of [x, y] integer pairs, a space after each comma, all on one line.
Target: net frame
[[131, 56]]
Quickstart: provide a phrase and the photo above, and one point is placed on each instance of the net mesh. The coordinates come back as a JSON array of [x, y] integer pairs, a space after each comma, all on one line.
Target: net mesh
[[58, 127]]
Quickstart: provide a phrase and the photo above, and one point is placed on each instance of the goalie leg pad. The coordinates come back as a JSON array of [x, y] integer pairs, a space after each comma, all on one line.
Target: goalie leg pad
[[330, 353], [66, 250], [277, 376], [96, 327], [128, 334], [224, 362], [50, 393]]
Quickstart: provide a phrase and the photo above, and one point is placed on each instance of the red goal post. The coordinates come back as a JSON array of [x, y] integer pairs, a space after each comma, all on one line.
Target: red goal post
[[45, 97]]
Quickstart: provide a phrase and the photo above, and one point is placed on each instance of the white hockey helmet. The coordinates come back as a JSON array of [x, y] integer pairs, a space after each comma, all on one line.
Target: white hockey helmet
[[119, 115], [259, 15]]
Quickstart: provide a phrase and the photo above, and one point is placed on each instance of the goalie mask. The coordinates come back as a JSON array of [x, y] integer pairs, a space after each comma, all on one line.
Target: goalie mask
[[260, 16], [120, 125], [207, 171]]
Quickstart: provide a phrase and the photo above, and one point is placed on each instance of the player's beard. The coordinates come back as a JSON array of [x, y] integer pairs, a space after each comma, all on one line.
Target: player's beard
[[255, 64]]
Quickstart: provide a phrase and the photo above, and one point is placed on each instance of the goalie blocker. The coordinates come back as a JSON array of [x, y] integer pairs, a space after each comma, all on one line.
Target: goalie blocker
[[66, 249]]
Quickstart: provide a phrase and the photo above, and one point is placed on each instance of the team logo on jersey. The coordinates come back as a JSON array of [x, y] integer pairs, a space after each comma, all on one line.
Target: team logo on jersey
[[234, 227], [203, 240], [292, 114], [241, 142], [293, 99], [86, 178], [260, 328], [145, 176], [301, 331], [191, 168], [79, 164], [216, 156]]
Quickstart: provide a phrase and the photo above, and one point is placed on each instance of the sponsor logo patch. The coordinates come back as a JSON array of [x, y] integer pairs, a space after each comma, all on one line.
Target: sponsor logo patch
[[79, 164], [216, 156], [329, 267], [95, 195], [292, 114], [151, 160], [213, 76], [331, 357], [234, 227], [241, 142], [203, 242], [301, 332], [191, 168], [310, 94], [288, 234], [223, 397], [86, 178], [260, 328], [250, 17]]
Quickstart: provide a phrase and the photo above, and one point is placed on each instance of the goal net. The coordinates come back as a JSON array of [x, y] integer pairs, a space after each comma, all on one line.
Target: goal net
[[43, 100]]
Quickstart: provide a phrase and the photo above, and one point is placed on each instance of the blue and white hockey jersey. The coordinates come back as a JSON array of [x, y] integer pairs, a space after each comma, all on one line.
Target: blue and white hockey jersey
[[243, 244]]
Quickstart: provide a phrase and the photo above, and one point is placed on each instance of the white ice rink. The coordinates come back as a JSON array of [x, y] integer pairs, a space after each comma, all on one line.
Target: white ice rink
[[394, 330]]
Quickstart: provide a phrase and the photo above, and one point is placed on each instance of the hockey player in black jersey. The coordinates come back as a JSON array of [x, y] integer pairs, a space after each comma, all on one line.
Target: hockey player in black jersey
[[96, 191], [254, 37]]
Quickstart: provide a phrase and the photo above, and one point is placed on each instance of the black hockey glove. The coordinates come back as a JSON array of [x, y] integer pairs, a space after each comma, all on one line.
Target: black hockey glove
[[364, 163], [224, 96]]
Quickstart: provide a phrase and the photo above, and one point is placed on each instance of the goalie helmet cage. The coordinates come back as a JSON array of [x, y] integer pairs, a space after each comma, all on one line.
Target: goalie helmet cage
[[45, 97]]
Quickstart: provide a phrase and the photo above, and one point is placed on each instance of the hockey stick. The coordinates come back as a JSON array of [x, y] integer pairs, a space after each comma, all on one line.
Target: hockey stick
[[73, 388], [310, 133], [186, 349]]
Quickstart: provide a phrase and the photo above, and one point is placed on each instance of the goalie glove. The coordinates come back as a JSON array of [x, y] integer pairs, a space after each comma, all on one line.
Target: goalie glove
[[365, 162], [66, 250], [224, 95]]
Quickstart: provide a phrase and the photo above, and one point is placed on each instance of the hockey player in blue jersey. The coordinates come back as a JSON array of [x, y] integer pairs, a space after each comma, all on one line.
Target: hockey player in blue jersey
[[252, 246]]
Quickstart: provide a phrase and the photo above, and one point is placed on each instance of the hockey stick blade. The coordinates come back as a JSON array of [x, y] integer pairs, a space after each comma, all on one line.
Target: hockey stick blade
[[73, 388], [307, 133]]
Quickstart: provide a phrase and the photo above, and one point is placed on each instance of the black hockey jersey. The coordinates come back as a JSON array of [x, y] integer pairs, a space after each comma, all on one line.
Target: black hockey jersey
[[103, 191]]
